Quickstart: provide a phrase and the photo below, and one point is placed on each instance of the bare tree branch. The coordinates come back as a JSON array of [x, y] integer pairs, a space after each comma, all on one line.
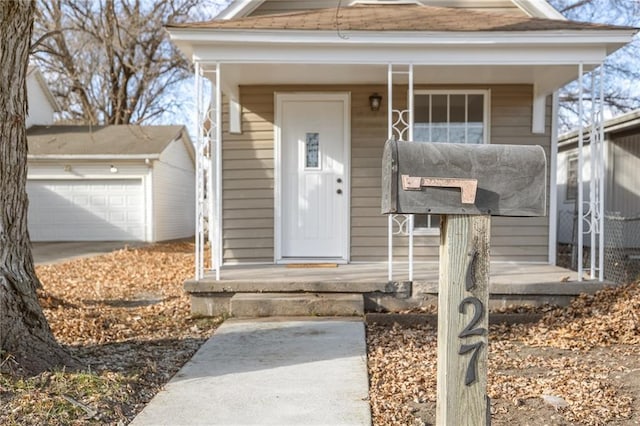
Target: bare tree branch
[[619, 70], [110, 61]]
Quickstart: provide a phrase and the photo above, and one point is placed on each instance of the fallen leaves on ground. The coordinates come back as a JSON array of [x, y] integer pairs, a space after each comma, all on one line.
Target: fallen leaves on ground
[[610, 317], [577, 365], [126, 317]]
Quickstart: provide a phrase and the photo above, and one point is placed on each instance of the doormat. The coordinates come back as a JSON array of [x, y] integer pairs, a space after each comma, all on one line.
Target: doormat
[[312, 265]]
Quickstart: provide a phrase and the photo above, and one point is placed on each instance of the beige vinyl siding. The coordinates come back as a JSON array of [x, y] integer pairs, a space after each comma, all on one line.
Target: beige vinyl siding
[[511, 111], [248, 181], [248, 177], [623, 191], [623, 195]]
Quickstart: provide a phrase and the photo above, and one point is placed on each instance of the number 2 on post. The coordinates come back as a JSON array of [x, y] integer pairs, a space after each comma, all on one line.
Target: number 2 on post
[[469, 330]]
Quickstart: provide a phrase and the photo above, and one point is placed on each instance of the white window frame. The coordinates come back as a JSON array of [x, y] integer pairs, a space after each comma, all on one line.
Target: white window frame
[[571, 159], [486, 120]]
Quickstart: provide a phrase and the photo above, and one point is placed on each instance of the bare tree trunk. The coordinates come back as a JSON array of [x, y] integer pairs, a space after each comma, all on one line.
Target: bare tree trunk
[[25, 336]]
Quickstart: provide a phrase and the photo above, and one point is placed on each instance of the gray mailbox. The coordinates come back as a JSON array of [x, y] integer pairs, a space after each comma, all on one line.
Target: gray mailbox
[[447, 178], [466, 184]]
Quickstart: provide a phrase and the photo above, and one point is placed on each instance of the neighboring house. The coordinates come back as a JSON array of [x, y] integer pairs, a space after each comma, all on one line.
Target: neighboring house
[[109, 183], [621, 147], [42, 104], [301, 138]]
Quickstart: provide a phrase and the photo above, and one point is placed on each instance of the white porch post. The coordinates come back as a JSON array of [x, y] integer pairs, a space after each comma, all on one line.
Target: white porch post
[[199, 183], [601, 182], [389, 136], [593, 177], [594, 216], [553, 182], [580, 177], [400, 128], [215, 176], [411, 121], [596, 189], [208, 171]]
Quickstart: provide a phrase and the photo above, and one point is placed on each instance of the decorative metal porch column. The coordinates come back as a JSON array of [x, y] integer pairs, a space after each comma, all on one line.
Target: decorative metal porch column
[[208, 146], [400, 127], [593, 120]]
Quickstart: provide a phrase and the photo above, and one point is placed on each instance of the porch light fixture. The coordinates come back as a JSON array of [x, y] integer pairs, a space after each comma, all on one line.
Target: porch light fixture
[[375, 101], [113, 169]]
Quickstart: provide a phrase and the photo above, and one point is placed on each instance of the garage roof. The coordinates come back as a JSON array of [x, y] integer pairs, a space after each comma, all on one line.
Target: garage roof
[[103, 141]]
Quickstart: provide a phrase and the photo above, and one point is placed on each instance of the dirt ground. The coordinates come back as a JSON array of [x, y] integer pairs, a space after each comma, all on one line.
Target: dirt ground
[[126, 317]]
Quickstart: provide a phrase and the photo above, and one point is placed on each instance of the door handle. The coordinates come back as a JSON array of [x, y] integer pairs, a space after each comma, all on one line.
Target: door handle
[[339, 180], [339, 191]]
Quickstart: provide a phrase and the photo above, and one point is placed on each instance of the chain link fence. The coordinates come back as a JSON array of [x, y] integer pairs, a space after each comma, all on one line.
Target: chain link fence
[[621, 246]]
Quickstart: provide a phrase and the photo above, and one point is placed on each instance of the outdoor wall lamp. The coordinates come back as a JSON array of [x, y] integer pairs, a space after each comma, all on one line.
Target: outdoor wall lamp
[[113, 169], [375, 101]]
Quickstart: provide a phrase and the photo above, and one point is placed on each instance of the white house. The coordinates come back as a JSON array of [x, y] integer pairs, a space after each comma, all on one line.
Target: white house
[[42, 104], [108, 183], [621, 177]]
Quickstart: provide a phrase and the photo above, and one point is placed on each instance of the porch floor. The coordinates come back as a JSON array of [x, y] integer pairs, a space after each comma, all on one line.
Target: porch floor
[[511, 284], [506, 278]]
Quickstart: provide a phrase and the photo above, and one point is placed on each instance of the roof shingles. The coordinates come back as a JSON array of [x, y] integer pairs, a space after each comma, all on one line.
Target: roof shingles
[[120, 140], [395, 18]]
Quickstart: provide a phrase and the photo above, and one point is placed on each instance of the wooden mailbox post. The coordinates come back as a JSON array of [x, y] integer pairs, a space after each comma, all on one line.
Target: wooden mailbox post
[[466, 184]]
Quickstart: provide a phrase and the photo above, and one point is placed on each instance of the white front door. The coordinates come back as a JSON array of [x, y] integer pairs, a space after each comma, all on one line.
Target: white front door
[[314, 187]]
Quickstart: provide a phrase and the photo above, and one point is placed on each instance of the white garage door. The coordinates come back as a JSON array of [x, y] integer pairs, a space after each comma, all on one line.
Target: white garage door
[[86, 210]]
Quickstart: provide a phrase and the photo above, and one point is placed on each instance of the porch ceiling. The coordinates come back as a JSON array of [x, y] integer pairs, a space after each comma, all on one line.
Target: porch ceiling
[[547, 65]]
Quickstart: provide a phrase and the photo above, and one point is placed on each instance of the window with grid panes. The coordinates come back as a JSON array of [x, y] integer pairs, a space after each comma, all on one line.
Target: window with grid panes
[[448, 116]]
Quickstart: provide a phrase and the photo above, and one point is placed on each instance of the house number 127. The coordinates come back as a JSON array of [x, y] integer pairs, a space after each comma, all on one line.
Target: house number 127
[[470, 330]]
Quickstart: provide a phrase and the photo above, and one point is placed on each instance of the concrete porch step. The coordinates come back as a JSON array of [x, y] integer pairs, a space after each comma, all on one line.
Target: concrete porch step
[[296, 304], [511, 284]]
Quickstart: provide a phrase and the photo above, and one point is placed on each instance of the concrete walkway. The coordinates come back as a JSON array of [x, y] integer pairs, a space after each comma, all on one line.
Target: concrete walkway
[[300, 371]]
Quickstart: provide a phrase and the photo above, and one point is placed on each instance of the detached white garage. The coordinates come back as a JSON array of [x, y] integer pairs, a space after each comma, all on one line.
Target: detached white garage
[[110, 183]]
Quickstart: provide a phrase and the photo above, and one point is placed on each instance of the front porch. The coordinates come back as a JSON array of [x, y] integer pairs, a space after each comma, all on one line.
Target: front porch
[[276, 182], [260, 163], [315, 286]]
